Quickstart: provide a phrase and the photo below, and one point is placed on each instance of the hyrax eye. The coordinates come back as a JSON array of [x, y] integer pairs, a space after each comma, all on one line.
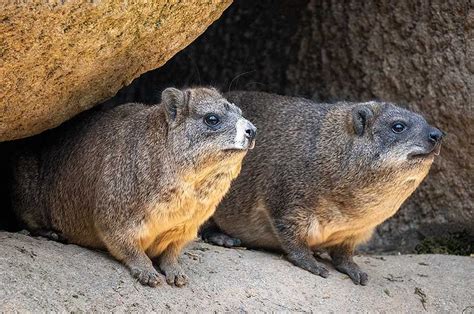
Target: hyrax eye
[[398, 127], [212, 120]]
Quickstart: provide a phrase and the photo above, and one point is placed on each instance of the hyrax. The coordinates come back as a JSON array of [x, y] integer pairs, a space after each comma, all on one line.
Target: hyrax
[[135, 180], [322, 176]]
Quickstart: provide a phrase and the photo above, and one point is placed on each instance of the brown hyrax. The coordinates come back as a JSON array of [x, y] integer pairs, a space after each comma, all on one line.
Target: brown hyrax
[[135, 180], [322, 176]]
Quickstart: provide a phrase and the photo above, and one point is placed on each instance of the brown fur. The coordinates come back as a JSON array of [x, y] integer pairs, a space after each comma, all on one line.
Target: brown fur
[[135, 180], [322, 176]]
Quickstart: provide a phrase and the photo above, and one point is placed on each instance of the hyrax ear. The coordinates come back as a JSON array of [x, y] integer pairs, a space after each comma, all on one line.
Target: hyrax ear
[[362, 117], [175, 102]]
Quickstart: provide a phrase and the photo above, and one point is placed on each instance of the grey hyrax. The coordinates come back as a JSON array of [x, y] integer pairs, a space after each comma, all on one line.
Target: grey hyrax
[[136, 180], [322, 176]]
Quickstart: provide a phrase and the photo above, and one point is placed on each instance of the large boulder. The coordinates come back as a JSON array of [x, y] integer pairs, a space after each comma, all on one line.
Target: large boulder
[[59, 59], [40, 275]]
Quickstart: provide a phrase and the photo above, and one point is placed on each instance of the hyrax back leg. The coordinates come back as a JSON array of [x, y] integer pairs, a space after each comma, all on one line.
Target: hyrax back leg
[[342, 260], [129, 251], [211, 233], [293, 242]]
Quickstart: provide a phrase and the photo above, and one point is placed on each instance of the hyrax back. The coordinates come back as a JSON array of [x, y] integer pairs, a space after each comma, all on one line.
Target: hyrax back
[[135, 180], [322, 176]]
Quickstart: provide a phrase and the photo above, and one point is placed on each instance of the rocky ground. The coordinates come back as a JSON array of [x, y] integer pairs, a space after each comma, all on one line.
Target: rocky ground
[[38, 274]]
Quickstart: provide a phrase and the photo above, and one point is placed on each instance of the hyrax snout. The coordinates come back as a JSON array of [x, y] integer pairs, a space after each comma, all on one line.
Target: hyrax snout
[[322, 176], [137, 181]]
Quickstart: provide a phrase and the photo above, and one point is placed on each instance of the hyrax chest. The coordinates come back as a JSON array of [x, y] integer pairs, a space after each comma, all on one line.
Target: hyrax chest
[[333, 223], [178, 213]]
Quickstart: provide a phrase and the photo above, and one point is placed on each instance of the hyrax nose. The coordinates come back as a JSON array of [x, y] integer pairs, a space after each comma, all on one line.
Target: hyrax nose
[[435, 135], [250, 131]]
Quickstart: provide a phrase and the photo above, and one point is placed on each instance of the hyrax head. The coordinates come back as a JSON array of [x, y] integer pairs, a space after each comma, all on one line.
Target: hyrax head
[[392, 137], [204, 127]]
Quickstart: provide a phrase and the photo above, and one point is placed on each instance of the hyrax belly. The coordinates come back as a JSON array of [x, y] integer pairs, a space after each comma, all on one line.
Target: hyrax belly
[[179, 225]]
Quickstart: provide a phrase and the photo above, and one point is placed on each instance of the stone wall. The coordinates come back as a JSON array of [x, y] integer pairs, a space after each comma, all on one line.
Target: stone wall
[[418, 53]]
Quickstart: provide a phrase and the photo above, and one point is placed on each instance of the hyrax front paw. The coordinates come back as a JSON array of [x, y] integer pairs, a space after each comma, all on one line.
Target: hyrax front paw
[[175, 275], [318, 270], [354, 272], [308, 263], [147, 277]]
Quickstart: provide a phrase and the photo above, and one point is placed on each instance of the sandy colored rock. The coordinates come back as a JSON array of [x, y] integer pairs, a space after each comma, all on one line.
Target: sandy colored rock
[[57, 60], [38, 275]]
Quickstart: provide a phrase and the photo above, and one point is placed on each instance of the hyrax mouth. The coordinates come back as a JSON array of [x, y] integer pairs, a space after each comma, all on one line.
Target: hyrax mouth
[[435, 151], [242, 147]]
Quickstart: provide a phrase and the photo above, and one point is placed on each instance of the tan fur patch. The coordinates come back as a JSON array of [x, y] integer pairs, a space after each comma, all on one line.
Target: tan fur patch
[[331, 226], [193, 203]]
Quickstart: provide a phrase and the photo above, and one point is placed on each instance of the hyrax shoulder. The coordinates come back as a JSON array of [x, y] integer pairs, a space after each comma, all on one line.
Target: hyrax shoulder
[[135, 180], [322, 176]]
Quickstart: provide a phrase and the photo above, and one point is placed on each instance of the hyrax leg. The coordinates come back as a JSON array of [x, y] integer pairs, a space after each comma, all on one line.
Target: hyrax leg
[[169, 264], [342, 260], [129, 251], [295, 246], [211, 233]]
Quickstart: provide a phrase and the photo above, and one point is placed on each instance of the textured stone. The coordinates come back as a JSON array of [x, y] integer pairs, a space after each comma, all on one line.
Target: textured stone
[[418, 53], [58, 58], [40, 275]]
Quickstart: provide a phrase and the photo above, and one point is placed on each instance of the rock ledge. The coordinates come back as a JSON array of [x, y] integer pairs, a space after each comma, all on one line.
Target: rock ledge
[[38, 274]]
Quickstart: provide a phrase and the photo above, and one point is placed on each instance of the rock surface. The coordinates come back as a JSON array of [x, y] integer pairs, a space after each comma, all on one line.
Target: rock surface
[[60, 58], [417, 53], [38, 275]]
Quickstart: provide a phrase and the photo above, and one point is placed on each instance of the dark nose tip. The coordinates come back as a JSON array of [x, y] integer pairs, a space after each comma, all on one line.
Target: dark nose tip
[[435, 135], [251, 132]]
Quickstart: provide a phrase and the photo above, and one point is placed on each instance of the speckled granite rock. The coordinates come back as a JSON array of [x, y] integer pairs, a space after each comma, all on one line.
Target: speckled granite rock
[[58, 58]]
